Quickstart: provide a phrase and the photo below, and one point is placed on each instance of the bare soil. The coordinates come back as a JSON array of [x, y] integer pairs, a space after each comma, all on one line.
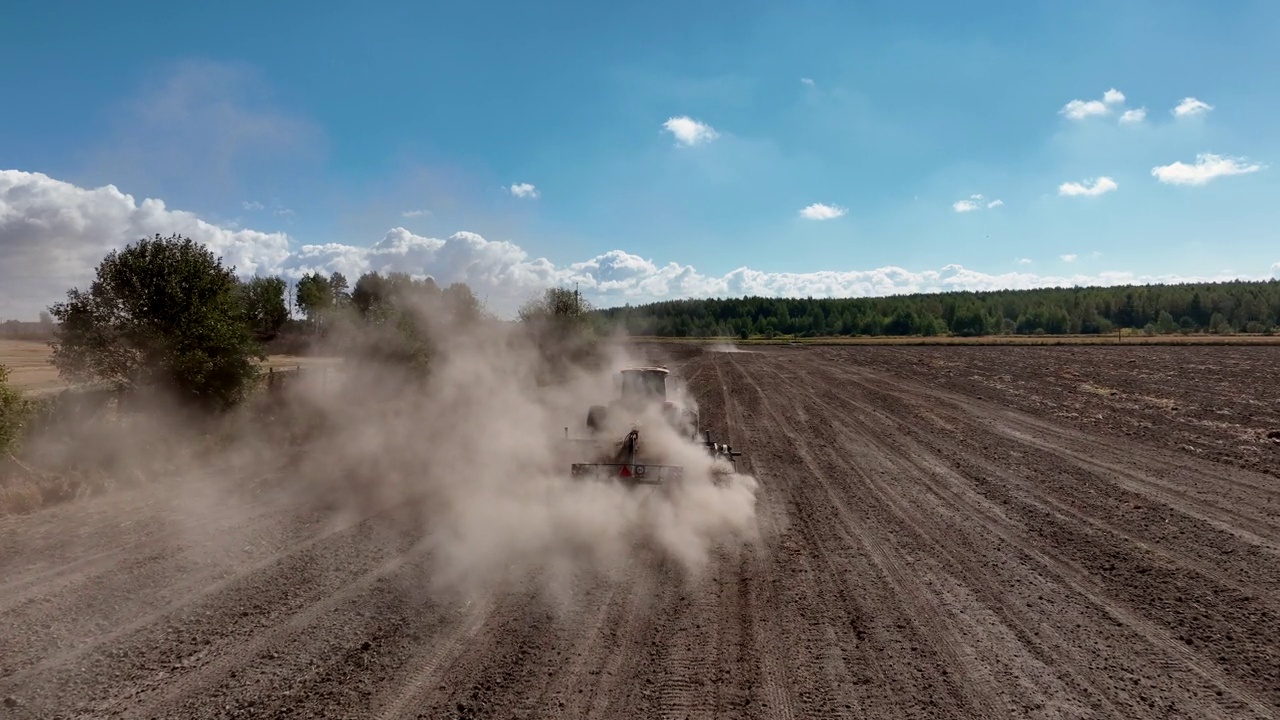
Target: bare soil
[[948, 532]]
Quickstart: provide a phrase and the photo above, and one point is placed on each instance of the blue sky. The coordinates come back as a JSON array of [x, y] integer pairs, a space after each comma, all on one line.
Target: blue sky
[[297, 136]]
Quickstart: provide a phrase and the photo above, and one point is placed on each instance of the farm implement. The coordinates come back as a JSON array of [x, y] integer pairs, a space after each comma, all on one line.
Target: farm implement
[[630, 461]]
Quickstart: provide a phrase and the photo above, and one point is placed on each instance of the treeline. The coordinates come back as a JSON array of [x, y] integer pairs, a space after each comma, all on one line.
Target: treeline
[[1232, 307]]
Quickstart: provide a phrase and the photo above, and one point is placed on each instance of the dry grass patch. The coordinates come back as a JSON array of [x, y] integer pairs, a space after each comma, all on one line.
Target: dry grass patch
[[31, 372]]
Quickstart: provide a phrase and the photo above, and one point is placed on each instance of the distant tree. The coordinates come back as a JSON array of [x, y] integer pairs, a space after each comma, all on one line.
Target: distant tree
[[264, 306], [370, 292], [1166, 325], [338, 289], [315, 297], [45, 318], [903, 322], [461, 303], [560, 307], [162, 313], [969, 322]]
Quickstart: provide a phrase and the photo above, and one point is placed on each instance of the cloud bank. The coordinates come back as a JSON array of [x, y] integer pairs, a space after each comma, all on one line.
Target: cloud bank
[[53, 234]]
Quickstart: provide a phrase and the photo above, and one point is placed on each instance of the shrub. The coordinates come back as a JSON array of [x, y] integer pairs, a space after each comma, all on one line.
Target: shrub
[[14, 411]]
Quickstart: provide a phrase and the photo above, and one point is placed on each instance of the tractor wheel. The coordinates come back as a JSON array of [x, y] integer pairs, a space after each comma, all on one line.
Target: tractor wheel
[[595, 418]]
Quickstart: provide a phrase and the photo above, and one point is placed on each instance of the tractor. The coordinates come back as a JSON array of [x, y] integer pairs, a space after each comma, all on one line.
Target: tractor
[[642, 389]]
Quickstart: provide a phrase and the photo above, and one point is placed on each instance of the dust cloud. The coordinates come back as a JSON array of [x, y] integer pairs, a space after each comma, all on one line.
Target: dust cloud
[[471, 455], [482, 450]]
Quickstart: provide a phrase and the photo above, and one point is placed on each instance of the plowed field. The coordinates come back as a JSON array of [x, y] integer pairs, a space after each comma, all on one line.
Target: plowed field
[[947, 532]]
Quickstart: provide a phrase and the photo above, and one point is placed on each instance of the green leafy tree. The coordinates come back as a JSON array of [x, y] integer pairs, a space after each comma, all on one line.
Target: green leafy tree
[[969, 322], [370, 292], [461, 303], [161, 314], [338, 290], [558, 306], [315, 297], [264, 306]]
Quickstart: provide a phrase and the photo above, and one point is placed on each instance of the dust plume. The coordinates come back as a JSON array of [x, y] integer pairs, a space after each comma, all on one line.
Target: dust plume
[[479, 450], [459, 441], [727, 348]]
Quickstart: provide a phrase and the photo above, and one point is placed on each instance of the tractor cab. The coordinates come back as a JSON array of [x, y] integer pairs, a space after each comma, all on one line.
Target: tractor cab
[[644, 386], [641, 389]]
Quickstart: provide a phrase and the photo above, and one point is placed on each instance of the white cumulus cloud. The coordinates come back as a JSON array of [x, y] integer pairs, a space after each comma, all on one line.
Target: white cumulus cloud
[[524, 190], [821, 211], [1131, 117], [807, 81], [975, 202], [689, 132], [53, 233], [1024, 261], [1091, 187], [1068, 258], [1207, 167], [251, 205], [1191, 106], [1081, 109]]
